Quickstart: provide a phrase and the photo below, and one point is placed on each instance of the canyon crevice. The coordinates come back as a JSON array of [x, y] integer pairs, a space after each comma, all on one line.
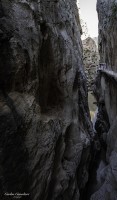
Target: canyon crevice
[[48, 147]]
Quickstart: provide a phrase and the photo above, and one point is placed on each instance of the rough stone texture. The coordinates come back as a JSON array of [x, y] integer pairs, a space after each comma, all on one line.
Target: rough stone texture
[[90, 60], [107, 95], [45, 127]]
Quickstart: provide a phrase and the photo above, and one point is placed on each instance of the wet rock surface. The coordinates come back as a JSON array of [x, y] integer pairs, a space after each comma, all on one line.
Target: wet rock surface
[[45, 127]]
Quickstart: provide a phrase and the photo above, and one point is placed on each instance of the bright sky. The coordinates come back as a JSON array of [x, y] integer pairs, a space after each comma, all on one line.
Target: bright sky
[[89, 15]]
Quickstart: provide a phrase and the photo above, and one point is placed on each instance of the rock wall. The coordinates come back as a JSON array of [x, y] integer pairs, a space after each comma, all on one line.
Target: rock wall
[[45, 127], [90, 60], [107, 99]]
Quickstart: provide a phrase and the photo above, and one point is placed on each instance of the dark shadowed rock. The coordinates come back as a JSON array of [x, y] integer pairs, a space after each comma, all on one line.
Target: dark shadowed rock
[[45, 127]]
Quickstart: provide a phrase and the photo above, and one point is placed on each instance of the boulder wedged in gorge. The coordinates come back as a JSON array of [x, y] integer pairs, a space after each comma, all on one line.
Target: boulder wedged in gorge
[[45, 127], [107, 96]]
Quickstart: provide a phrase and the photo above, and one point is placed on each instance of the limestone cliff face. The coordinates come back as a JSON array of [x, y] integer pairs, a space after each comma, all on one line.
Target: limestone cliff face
[[90, 60], [45, 128], [107, 98]]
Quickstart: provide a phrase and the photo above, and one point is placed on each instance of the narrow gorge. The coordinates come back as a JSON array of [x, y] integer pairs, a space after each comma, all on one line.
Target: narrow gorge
[[49, 149]]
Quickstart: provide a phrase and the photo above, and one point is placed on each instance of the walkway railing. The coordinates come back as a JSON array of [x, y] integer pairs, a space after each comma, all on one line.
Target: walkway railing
[[103, 69]]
